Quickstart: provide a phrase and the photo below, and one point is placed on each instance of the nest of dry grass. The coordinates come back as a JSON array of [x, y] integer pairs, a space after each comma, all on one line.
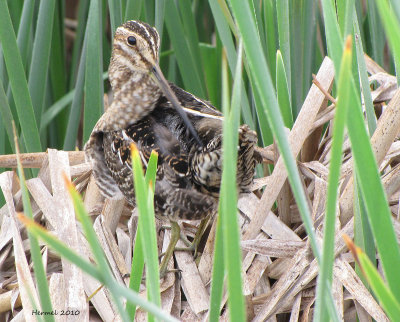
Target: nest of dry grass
[[279, 269]]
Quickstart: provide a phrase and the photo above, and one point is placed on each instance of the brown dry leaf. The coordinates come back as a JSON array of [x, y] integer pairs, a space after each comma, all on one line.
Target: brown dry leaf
[[350, 280], [66, 229], [381, 141], [273, 247], [25, 280]]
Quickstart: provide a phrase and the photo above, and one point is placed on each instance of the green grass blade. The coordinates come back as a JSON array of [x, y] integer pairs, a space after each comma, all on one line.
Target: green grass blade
[[146, 305], [228, 196], [224, 32], [93, 74], [151, 170], [149, 10], [295, 53], [360, 15], [365, 165], [342, 105], [188, 22], [87, 226], [55, 109], [116, 290], [282, 10], [387, 299], [396, 6], [24, 29], [18, 82], [341, 13], [57, 71], [375, 31], [144, 196], [115, 14], [59, 106], [263, 125], [75, 111], [226, 38], [362, 229], [153, 290], [391, 25], [270, 30], [375, 199], [160, 16], [333, 37], [15, 8], [185, 59], [3, 150], [38, 268], [308, 35], [138, 252], [282, 91], [348, 18], [98, 253], [40, 57], [60, 247], [3, 76], [106, 40], [260, 24], [101, 273], [211, 54], [136, 271], [6, 115], [263, 84], [133, 9], [83, 9], [362, 68], [217, 281]]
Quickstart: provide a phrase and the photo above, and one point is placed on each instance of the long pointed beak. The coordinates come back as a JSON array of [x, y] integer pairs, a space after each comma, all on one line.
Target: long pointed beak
[[163, 84]]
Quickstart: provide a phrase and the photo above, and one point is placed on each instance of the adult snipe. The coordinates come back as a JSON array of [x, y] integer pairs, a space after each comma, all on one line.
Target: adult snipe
[[185, 131]]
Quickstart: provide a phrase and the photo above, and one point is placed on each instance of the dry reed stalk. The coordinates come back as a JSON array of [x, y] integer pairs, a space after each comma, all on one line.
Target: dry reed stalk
[[274, 243]]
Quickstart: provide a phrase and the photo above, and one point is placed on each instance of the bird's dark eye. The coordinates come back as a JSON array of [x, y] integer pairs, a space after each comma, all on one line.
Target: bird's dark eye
[[131, 40]]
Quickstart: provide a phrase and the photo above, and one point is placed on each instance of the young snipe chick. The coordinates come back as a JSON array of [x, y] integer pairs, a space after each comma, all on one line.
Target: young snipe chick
[[185, 131]]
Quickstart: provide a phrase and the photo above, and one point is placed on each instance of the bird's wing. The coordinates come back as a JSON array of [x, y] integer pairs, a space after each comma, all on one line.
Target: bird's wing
[[147, 136], [192, 102]]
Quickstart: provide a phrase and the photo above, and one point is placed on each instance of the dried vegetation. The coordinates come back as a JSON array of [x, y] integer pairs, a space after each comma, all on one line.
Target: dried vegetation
[[279, 270]]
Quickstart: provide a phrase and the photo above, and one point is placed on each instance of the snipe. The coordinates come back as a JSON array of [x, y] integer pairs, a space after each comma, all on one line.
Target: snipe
[[185, 131]]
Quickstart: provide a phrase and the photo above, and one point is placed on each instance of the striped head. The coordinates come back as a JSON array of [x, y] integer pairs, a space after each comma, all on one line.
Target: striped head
[[135, 51], [134, 72]]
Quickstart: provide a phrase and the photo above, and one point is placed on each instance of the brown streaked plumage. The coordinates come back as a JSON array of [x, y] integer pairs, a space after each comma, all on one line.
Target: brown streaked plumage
[[188, 138]]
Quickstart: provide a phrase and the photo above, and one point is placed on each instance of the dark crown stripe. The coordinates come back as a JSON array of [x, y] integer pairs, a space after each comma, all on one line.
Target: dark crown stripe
[[144, 30]]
